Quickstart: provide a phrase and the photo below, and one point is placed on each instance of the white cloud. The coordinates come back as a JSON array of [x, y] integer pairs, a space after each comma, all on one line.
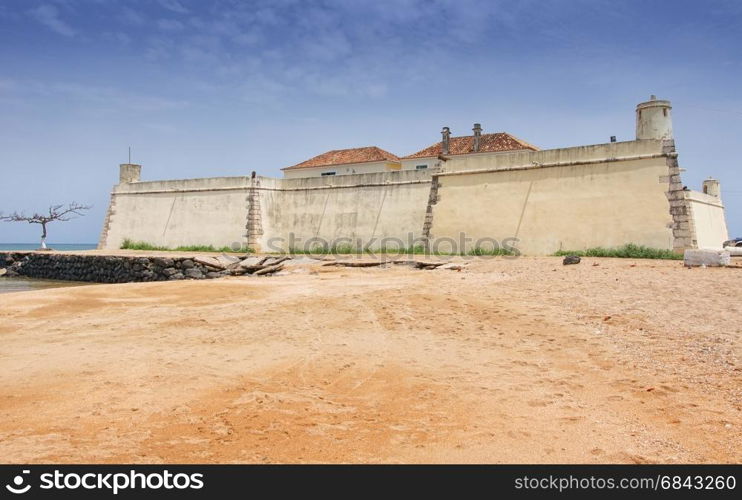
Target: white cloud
[[48, 15], [95, 96], [130, 16], [173, 5]]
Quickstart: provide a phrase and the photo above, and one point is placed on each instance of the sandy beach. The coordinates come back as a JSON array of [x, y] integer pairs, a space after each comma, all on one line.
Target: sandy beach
[[508, 360]]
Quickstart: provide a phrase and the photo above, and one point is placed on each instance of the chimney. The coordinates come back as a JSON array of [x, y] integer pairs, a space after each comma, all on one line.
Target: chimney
[[446, 133], [477, 136], [129, 172]]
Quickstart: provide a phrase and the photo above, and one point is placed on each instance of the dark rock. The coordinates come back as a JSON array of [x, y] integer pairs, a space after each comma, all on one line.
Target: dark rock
[[169, 271], [571, 259], [194, 273], [177, 276], [163, 262], [187, 264]]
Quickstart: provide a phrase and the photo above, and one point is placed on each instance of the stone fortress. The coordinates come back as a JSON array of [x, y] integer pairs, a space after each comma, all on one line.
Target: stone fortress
[[462, 189]]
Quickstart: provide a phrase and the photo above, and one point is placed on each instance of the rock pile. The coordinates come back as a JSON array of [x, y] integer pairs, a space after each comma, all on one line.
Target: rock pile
[[124, 269]]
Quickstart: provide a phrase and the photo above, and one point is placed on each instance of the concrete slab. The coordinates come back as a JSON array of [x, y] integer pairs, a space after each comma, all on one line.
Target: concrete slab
[[707, 258]]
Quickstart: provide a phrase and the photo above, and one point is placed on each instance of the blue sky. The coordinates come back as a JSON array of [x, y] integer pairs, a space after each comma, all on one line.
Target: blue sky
[[211, 88]]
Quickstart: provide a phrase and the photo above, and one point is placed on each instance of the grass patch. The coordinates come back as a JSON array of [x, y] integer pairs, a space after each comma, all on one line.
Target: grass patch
[[629, 251], [140, 245], [211, 248], [492, 252], [143, 245]]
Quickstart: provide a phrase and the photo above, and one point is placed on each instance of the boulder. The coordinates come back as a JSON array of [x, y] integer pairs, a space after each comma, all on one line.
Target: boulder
[[169, 271], [187, 264], [2, 271], [194, 273], [571, 259], [163, 262]]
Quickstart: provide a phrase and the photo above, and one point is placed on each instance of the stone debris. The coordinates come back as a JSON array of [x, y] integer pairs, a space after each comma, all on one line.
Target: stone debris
[[416, 264], [420, 264], [257, 266], [571, 259], [210, 262], [268, 270], [706, 258], [2, 271], [225, 260], [355, 263], [452, 266]]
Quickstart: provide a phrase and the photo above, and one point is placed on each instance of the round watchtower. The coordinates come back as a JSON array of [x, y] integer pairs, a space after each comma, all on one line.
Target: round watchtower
[[653, 119]]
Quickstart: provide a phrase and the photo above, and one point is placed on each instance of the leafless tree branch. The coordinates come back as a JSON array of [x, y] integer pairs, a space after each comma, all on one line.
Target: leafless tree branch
[[56, 213]]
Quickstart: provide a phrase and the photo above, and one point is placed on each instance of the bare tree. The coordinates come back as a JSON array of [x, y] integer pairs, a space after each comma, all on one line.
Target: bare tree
[[56, 213]]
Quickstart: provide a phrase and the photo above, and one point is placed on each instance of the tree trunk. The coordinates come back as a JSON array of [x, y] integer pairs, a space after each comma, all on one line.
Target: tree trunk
[[43, 236]]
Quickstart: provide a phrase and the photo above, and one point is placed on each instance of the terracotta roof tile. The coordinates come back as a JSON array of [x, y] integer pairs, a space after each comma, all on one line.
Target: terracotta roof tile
[[343, 156], [489, 143]]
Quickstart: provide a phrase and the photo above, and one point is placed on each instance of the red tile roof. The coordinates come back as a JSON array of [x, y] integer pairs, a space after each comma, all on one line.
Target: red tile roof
[[488, 143], [343, 156]]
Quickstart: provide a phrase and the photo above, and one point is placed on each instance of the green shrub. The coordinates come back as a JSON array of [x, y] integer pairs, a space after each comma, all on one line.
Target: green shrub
[[491, 252], [628, 251], [140, 245], [143, 245]]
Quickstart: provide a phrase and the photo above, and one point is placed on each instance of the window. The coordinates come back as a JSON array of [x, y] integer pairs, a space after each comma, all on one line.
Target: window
[[420, 167], [327, 173]]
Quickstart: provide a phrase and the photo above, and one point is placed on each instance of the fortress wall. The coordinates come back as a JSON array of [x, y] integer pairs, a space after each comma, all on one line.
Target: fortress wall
[[572, 198], [707, 216], [369, 207], [180, 212]]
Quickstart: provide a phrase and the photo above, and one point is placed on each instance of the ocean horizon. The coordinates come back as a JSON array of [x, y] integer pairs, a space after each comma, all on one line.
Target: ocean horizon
[[5, 247]]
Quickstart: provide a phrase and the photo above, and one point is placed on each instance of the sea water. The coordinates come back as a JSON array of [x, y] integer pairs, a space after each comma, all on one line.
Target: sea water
[[8, 247], [22, 284]]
